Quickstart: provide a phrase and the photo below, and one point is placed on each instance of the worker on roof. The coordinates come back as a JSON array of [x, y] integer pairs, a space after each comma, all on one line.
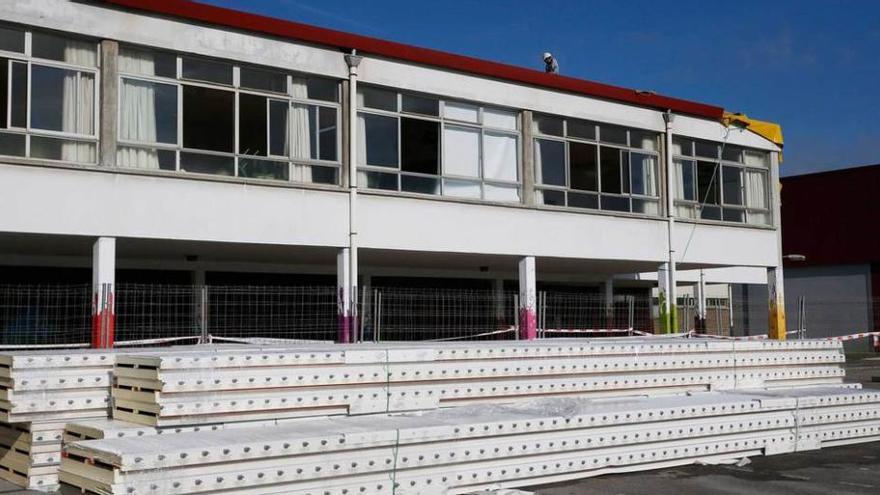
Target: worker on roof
[[551, 66]]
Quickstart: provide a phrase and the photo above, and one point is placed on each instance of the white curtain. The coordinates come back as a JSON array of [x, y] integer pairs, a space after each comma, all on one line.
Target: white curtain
[[137, 122], [678, 167], [756, 196], [301, 128], [78, 112], [461, 151], [499, 157], [536, 154], [644, 174]]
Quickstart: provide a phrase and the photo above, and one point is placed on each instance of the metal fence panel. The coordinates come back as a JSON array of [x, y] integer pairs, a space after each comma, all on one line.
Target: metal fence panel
[[45, 315]]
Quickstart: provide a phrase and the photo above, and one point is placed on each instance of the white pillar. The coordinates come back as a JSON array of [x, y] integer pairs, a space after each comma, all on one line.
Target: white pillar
[[775, 286], [352, 60], [528, 295], [671, 293], [343, 296], [103, 292], [700, 296]]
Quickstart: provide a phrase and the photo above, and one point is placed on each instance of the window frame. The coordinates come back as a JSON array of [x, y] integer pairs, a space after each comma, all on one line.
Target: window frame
[[696, 205], [625, 170], [29, 61], [443, 122], [296, 167]]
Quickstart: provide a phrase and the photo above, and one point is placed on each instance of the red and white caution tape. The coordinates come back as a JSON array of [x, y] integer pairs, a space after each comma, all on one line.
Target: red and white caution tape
[[586, 330], [854, 336]]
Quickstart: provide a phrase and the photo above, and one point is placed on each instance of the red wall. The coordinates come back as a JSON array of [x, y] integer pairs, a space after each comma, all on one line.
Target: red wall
[[833, 217]]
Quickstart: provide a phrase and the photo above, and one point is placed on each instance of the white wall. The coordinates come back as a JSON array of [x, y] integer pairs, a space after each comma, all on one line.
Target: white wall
[[837, 298]]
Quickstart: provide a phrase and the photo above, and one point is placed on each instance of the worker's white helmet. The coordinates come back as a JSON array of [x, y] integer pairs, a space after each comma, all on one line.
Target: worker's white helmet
[[547, 55]]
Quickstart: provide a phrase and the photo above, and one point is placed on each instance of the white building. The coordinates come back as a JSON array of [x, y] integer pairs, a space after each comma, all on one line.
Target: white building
[[178, 137]]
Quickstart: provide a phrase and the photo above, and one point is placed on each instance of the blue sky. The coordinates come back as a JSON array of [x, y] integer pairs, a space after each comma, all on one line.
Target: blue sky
[[813, 66]]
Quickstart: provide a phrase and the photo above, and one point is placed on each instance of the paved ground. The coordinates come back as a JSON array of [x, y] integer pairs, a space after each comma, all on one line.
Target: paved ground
[[850, 470]]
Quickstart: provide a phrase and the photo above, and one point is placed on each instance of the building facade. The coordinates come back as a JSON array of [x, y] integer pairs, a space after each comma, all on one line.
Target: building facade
[[173, 141]]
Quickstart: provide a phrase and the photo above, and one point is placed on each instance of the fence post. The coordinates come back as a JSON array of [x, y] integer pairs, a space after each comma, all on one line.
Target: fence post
[[516, 321], [377, 312], [204, 336], [631, 312]]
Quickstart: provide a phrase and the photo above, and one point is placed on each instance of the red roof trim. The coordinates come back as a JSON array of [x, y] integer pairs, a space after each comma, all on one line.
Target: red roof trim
[[210, 14]]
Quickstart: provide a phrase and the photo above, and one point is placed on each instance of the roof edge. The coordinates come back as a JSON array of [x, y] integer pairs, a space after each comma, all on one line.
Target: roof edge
[[220, 16]]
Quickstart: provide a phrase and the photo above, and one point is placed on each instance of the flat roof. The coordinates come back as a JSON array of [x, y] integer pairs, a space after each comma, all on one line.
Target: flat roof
[[234, 19]]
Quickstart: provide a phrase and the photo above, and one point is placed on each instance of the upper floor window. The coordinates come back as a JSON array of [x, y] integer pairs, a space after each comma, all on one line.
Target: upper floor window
[[427, 145], [48, 95], [582, 164], [212, 117], [716, 181]]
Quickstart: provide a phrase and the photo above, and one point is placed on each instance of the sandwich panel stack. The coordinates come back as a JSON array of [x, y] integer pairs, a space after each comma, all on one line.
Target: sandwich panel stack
[[468, 448], [243, 385]]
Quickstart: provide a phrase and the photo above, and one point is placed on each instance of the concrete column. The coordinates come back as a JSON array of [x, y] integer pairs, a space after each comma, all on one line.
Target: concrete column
[[666, 306], [109, 98], [103, 292], [343, 296], [700, 296], [528, 160], [528, 295], [775, 286], [608, 289]]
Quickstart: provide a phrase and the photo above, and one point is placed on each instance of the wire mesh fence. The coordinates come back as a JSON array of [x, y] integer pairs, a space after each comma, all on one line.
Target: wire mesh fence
[[565, 314], [406, 314], [45, 315], [717, 317]]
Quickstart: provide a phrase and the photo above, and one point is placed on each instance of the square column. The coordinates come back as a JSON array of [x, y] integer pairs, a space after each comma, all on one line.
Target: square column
[[528, 315], [103, 292], [343, 297], [664, 299], [776, 292]]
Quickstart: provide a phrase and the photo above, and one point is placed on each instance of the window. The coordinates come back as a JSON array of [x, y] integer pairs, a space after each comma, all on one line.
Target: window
[[714, 181], [425, 145], [616, 172], [48, 95], [268, 125]]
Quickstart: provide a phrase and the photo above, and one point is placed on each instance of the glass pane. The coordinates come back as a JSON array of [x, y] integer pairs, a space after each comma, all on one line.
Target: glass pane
[[323, 89], [733, 215], [550, 162], [208, 119], [615, 203], [707, 149], [377, 98], [461, 151], [327, 134], [759, 218], [643, 140], [610, 161], [12, 144], [461, 188], [303, 120], [421, 185], [612, 134], [322, 175], [146, 158], [545, 124], [278, 135], [552, 198], [18, 97], [581, 129], [266, 80], [506, 194], [580, 200], [757, 158], [419, 104], [708, 183], [53, 47], [377, 180], [683, 147], [710, 212], [685, 211], [148, 112], [62, 149], [62, 100], [253, 135], [643, 174], [11, 40], [263, 169], [732, 185], [461, 111], [200, 69], [583, 169], [419, 146], [380, 140], [499, 157], [646, 206], [731, 153], [207, 164], [684, 180], [148, 63], [502, 119], [4, 91]]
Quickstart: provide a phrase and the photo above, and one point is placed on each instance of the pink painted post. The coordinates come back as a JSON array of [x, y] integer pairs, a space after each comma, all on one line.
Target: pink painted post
[[343, 298], [528, 315]]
